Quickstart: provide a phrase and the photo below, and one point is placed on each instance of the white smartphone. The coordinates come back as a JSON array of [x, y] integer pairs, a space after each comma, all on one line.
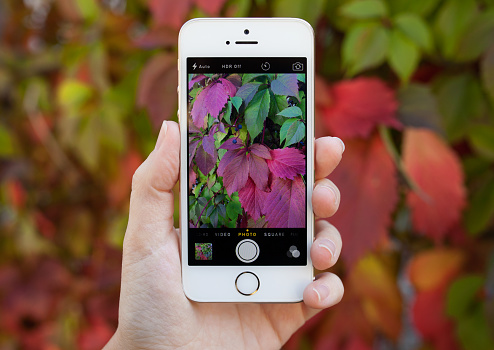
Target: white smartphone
[[246, 107]]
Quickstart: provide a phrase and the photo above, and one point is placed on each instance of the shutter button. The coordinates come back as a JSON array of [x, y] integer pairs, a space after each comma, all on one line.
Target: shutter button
[[247, 250]]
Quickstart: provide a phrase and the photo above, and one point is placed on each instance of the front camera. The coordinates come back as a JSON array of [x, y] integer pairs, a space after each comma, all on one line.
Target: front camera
[[227, 42], [246, 31]]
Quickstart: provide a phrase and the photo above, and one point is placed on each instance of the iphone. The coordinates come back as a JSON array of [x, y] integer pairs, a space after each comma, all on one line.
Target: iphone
[[246, 106]]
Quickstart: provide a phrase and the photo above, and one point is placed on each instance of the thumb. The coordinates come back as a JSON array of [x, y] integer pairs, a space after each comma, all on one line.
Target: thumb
[[151, 201]]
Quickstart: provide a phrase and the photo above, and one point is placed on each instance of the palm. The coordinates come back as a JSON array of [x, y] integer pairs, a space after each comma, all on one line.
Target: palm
[[160, 304]]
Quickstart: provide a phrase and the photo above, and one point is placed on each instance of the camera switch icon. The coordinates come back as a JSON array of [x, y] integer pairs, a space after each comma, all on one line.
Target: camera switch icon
[[297, 67]]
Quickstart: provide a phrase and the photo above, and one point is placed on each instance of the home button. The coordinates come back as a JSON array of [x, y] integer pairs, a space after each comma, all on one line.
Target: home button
[[247, 250], [247, 283]]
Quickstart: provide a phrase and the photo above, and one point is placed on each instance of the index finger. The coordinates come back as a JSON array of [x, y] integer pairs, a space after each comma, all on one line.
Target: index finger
[[328, 152]]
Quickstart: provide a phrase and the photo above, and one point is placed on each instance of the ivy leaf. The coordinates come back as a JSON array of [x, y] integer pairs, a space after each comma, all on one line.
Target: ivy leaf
[[359, 105], [403, 55], [285, 204], [256, 113], [196, 79], [247, 92], [248, 77], [292, 131], [285, 85], [234, 208], [364, 9], [236, 102], [211, 100], [192, 149], [365, 46], [416, 29], [287, 163], [208, 145], [437, 171], [205, 162], [367, 180], [252, 199], [291, 112], [228, 112], [238, 164]]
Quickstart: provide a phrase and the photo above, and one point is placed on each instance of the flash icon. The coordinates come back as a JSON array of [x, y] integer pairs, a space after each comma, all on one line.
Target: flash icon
[[194, 66]]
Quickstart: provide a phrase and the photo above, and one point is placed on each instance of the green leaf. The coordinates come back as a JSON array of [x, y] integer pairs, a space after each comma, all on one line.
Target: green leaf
[[462, 294], [256, 113], [291, 112], [233, 209], [460, 99], [72, 94], [236, 102], [299, 9], [452, 21], [477, 38], [6, 143], [420, 7], [214, 217], [403, 55], [228, 113], [292, 131], [480, 211], [364, 9], [301, 77], [415, 29], [248, 77], [482, 139], [487, 72], [88, 9], [365, 46]]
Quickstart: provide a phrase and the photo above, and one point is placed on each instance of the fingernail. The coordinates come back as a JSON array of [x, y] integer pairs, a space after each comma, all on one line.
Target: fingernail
[[342, 144], [328, 245], [333, 192], [322, 291], [162, 134]]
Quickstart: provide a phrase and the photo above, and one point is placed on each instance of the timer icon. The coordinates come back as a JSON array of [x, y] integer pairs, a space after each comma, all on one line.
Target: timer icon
[[265, 66]]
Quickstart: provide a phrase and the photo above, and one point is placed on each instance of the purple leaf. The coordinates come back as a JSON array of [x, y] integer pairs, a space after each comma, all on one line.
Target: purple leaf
[[235, 79], [221, 127], [247, 92], [230, 89], [260, 151], [236, 170], [227, 158], [196, 79], [285, 204], [208, 145], [204, 161], [285, 84], [258, 171], [211, 100], [229, 144], [252, 199], [192, 149], [287, 163]]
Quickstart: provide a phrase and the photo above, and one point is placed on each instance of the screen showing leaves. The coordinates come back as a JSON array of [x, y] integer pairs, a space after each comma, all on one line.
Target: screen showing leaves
[[247, 157]]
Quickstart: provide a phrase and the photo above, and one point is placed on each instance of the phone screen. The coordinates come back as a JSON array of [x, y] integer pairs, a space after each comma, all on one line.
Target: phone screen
[[247, 164]]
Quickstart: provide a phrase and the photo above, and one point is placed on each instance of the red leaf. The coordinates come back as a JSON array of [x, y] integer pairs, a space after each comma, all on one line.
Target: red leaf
[[252, 199], [170, 13], [196, 79], [436, 169], [367, 180], [204, 161], [239, 163], [429, 317], [211, 7], [157, 85], [287, 163], [358, 106], [285, 204], [211, 100]]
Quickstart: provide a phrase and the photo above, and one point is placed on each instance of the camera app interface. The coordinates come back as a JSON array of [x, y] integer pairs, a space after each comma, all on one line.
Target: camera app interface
[[247, 161]]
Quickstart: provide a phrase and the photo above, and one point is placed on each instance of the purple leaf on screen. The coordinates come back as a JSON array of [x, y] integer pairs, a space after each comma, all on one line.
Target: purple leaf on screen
[[287, 163], [285, 204], [196, 79], [252, 199], [285, 84], [205, 162]]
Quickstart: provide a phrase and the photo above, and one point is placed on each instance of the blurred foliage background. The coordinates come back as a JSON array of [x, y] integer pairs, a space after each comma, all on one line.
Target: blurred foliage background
[[409, 86]]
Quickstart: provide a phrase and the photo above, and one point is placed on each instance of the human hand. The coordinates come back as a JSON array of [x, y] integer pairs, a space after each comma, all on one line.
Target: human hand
[[154, 312]]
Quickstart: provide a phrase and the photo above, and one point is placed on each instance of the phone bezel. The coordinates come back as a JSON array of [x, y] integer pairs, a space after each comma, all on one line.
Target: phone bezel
[[206, 37]]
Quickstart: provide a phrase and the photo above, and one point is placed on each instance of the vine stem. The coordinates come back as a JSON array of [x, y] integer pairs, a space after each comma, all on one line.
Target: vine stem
[[202, 212], [393, 152]]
